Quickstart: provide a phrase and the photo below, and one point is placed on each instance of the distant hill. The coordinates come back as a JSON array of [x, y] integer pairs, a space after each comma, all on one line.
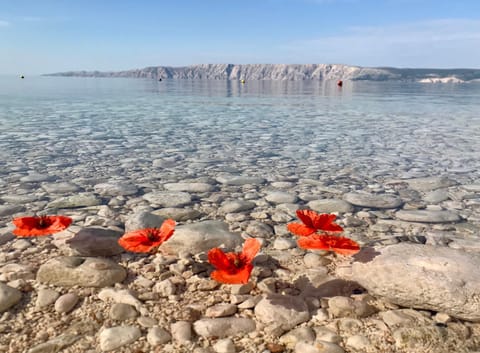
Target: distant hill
[[289, 72]]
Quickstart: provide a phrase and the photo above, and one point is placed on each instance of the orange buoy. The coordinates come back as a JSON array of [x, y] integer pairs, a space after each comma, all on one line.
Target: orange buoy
[[339, 83]]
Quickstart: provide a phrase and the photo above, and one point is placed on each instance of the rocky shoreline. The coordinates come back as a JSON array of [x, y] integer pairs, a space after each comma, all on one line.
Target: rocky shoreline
[[414, 287]]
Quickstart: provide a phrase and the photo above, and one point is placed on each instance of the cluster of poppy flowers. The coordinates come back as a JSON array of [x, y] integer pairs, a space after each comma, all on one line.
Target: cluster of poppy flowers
[[231, 267]]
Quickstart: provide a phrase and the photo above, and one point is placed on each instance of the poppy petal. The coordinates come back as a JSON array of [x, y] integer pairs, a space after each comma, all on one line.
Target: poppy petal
[[325, 222], [238, 277], [250, 249], [167, 229], [340, 245], [306, 216], [219, 259], [136, 241], [300, 229]]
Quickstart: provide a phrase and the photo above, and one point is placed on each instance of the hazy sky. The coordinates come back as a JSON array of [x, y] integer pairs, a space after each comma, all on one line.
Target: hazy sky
[[43, 36]]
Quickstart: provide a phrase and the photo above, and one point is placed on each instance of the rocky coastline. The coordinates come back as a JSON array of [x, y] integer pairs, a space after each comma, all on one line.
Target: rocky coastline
[[288, 72]]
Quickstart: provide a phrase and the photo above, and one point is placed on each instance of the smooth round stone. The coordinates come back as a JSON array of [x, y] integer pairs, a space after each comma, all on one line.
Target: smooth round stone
[[8, 297], [19, 199], [277, 197], [122, 312], [124, 296], [74, 201], [282, 184], [300, 334], [81, 271], [181, 331], [472, 187], [189, 187], [429, 183], [116, 189], [223, 327], [284, 243], [178, 214], [66, 302], [372, 200], [94, 241], [36, 178], [142, 220], [318, 347], [60, 188], [46, 297], [225, 345], [434, 278], [168, 198], [157, 336], [239, 180], [201, 236], [236, 206], [436, 196], [330, 206], [116, 337], [221, 310], [282, 310], [8, 210], [260, 229], [427, 216]]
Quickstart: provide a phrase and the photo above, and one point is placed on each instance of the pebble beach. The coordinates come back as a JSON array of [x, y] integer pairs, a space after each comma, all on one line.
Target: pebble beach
[[404, 182]]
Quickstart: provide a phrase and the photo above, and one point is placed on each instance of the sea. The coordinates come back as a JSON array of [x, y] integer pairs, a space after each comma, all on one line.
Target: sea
[[101, 127]]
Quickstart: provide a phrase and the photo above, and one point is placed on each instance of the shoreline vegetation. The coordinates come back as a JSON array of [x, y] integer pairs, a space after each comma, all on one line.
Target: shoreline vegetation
[[288, 72]]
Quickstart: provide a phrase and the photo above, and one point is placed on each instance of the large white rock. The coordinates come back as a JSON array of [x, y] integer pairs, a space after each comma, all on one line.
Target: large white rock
[[422, 276], [201, 236]]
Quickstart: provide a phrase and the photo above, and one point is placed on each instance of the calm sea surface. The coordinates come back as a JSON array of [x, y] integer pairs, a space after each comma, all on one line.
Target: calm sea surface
[[134, 128]]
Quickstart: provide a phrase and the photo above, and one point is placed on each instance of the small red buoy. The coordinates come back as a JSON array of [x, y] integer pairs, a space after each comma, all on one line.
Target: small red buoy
[[339, 83]]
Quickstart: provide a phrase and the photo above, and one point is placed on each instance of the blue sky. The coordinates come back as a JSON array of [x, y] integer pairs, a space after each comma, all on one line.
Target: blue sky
[[42, 36]]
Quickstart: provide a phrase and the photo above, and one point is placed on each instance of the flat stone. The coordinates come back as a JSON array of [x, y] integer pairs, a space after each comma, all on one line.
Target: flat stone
[[36, 178], [429, 183], [19, 199], [81, 271], [8, 210], [122, 312], [157, 336], [189, 187], [66, 302], [221, 310], [178, 214], [236, 206], [224, 345], [282, 310], [141, 220], [181, 331], [94, 241], [60, 188], [8, 297], [223, 327], [116, 189], [318, 347], [278, 197], [422, 276], [201, 236], [123, 296], [168, 198], [74, 201], [46, 297], [471, 187], [55, 344], [373, 200], [240, 180], [116, 337], [330, 206], [436, 196], [427, 216]]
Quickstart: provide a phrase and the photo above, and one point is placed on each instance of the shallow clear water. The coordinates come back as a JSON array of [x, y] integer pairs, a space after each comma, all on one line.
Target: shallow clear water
[[84, 127]]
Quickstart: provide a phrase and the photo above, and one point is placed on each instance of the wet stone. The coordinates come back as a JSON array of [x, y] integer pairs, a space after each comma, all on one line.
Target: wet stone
[[430, 183], [427, 216], [8, 210], [189, 187], [236, 206], [116, 189], [143, 219], [61, 188], [373, 200], [168, 198], [239, 180], [277, 197], [74, 201], [330, 206], [178, 214]]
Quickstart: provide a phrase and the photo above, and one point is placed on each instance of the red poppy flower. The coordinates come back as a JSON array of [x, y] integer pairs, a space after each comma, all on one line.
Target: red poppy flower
[[312, 222], [40, 225], [234, 268], [149, 239], [340, 245]]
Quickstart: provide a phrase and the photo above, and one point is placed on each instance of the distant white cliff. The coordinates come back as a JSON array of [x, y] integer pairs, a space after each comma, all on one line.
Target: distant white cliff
[[290, 72]]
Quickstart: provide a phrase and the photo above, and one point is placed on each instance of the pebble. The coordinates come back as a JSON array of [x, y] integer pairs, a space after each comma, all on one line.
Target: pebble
[[8, 297], [373, 200], [157, 336], [221, 310], [223, 327], [427, 216], [181, 331], [122, 312], [282, 310], [46, 297], [66, 302], [119, 336], [168, 198], [225, 345], [330, 206], [95, 241], [141, 220]]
